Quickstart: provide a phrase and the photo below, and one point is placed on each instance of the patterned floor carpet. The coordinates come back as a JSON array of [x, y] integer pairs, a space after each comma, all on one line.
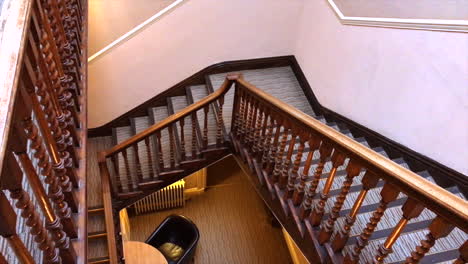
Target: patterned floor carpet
[[233, 222]]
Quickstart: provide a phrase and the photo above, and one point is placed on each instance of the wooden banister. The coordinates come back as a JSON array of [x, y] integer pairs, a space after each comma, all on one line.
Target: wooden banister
[[434, 197]]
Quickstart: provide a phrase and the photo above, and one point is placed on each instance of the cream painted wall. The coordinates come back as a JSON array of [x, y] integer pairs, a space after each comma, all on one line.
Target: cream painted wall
[[409, 85], [108, 20], [197, 34]]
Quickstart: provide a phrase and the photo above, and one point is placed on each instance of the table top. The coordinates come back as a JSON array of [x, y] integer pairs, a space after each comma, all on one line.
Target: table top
[[136, 252]]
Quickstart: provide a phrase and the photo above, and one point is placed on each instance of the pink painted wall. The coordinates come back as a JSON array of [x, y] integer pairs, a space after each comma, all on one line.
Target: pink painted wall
[[195, 35], [409, 85]]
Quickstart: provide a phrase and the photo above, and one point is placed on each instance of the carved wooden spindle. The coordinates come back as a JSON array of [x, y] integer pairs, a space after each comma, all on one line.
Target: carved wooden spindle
[[127, 170], [13, 182], [262, 138], [437, 229], [59, 120], [53, 224], [206, 109], [298, 196], [283, 179], [8, 231], [60, 188], [159, 155], [242, 114], [293, 173], [194, 135], [352, 170], [247, 118], [267, 145], [389, 194], [325, 151], [182, 138], [253, 121], [139, 172], [411, 209], [319, 209], [463, 258], [150, 157], [237, 110], [220, 123], [257, 139], [114, 159], [274, 149], [59, 155], [369, 181], [172, 146], [280, 155]]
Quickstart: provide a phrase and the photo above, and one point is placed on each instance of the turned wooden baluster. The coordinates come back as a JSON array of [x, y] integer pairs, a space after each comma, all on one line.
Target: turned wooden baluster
[[463, 258], [172, 146], [262, 138], [8, 231], [411, 209], [269, 167], [206, 109], [240, 127], [298, 196], [61, 82], [150, 157], [114, 159], [253, 121], [160, 152], [50, 102], [437, 229], [283, 179], [389, 194], [60, 193], [319, 209], [280, 155], [247, 118], [267, 145], [13, 183], [220, 123], [194, 135], [369, 181], [257, 138], [352, 170], [293, 173], [53, 224], [27, 92], [139, 172], [325, 151], [236, 110], [182, 138], [127, 170]]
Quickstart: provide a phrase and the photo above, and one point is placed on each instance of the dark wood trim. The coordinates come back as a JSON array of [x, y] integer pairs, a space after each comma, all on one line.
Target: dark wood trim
[[179, 89]]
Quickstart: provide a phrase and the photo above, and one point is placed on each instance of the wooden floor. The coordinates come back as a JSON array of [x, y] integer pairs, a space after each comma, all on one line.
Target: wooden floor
[[233, 222]]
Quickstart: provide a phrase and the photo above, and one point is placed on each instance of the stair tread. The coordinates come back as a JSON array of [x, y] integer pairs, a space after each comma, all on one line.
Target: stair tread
[[97, 248], [120, 135], [139, 124]]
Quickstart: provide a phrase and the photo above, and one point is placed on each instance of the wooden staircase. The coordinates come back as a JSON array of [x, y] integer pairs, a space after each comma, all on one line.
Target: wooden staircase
[[341, 199]]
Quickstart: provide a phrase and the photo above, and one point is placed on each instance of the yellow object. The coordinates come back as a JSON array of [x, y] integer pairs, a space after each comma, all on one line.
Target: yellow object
[[171, 251]]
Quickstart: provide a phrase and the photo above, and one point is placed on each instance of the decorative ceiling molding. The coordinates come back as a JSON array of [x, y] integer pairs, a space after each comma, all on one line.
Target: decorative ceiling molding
[[408, 23]]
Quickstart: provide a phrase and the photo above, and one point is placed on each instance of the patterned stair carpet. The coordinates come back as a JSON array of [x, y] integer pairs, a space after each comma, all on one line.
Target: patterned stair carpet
[[233, 222]]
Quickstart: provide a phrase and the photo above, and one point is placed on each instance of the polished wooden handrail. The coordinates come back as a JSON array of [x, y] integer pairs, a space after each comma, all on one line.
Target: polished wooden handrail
[[175, 117], [434, 197]]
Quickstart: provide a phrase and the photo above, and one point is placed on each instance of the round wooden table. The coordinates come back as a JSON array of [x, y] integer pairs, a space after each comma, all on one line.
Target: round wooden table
[[136, 252]]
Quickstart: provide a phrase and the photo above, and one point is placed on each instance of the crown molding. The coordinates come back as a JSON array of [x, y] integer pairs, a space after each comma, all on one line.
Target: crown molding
[[419, 24]]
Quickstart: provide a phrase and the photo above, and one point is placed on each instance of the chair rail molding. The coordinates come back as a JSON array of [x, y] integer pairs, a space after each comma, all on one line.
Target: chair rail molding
[[455, 25], [135, 30]]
